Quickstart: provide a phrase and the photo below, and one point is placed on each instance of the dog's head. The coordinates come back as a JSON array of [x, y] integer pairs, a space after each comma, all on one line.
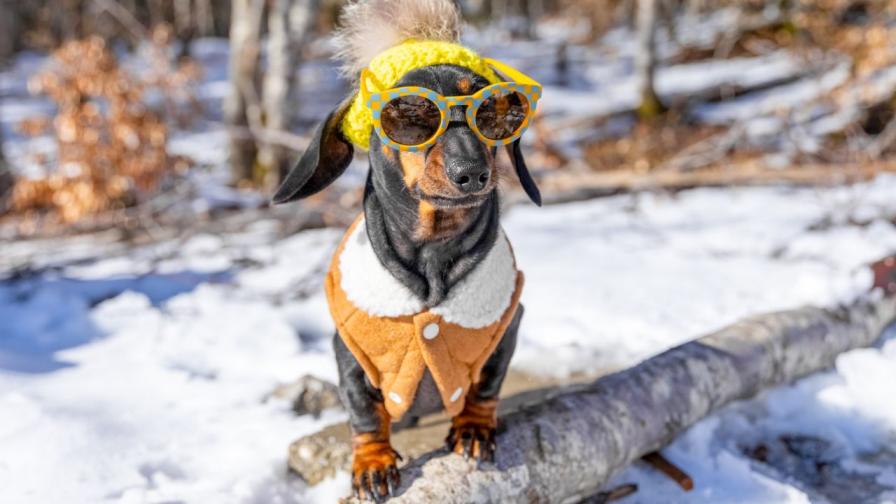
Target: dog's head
[[458, 169]]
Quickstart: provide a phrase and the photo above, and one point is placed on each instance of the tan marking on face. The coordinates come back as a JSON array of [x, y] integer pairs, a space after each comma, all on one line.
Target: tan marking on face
[[434, 179], [412, 165], [464, 85], [426, 174], [440, 223], [426, 221]]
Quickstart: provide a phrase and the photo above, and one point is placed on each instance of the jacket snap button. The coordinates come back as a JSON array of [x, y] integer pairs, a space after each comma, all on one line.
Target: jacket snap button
[[431, 331], [395, 397], [456, 395]]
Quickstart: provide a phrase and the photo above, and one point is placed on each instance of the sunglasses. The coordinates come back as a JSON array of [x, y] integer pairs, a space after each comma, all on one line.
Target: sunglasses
[[412, 118]]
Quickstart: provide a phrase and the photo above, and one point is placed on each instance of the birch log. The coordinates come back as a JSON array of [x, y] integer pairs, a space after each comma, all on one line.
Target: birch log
[[564, 448]]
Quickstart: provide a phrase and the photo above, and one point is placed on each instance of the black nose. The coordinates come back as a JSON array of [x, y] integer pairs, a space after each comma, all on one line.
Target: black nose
[[469, 176]]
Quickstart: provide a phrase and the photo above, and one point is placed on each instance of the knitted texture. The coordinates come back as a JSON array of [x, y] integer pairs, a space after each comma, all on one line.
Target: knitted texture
[[391, 65]]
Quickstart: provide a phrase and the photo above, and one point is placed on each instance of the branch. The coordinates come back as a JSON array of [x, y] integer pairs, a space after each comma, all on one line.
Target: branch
[[568, 446], [124, 17], [269, 136]]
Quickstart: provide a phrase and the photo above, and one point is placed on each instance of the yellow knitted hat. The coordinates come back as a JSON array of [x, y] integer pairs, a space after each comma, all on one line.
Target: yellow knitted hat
[[391, 65]]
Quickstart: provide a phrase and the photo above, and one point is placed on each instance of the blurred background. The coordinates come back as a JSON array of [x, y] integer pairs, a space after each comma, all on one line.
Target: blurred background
[[126, 114], [163, 332]]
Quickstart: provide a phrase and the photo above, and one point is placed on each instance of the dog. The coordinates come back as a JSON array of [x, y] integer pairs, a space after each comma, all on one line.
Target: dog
[[423, 289]]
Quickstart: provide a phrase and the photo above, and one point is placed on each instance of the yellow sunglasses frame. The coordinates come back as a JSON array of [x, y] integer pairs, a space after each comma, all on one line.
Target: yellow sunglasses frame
[[522, 83]]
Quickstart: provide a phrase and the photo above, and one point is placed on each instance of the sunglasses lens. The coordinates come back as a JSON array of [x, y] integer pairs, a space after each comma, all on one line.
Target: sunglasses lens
[[502, 114], [410, 120]]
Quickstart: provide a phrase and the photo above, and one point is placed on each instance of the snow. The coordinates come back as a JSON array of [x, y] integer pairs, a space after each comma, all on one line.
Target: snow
[[144, 377], [850, 407]]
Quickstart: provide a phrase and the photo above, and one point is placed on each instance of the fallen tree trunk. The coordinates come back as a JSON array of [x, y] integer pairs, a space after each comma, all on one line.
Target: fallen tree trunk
[[577, 186], [565, 448]]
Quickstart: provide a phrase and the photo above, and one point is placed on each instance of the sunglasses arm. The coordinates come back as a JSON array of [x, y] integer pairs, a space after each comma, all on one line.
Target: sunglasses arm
[[367, 76], [512, 73]]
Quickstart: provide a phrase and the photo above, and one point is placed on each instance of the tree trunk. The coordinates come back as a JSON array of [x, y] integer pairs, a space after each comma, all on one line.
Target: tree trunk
[[183, 14], [645, 60], [205, 19], [565, 448], [10, 32], [184, 26], [245, 46], [277, 93], [6, 178]]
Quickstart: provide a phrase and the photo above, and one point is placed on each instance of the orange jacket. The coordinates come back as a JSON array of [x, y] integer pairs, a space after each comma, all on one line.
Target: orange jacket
[[395, 337]]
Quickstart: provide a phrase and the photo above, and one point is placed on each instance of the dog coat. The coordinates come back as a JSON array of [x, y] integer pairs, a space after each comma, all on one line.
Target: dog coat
[[396, 337]]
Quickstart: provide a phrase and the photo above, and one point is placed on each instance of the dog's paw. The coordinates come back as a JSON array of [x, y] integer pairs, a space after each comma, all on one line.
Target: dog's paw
[[477, 441], [375, 473], [473, 436]]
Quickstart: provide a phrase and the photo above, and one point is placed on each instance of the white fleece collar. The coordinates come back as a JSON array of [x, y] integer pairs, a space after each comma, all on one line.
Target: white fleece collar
[[478, 300]]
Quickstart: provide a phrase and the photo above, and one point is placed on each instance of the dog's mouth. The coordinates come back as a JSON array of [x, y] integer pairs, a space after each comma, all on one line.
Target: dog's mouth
[[443, 201]]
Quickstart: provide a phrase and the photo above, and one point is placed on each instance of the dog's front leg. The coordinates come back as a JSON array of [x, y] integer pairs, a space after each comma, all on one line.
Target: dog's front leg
[[473, 429], [374, 470]]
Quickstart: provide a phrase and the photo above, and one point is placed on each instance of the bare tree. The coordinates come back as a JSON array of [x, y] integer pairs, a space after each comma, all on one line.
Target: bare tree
[[205, 18], [645, 60], [6, 178], [289, 22], [242, 108], [10, 31]]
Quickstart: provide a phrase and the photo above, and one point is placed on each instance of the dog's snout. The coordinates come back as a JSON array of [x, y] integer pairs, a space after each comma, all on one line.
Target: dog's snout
[[466, 160], [468, 175]]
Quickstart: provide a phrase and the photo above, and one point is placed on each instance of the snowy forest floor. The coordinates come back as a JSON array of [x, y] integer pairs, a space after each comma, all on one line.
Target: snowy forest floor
[[142, 370], [144, 377]]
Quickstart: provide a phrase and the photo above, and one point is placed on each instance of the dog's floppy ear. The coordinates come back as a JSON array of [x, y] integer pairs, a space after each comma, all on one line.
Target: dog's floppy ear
[[325, 159], [519, 164]]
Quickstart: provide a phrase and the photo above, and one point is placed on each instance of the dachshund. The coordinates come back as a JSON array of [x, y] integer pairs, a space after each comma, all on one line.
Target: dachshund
[[423, 289]]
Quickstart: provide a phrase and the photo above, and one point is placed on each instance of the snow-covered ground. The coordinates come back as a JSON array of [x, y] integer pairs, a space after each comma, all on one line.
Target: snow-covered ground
[[145, 377]]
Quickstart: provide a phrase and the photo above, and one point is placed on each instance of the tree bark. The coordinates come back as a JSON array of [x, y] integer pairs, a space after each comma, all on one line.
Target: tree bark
[[11, 24], [566, 447], [6, 178], [289, 22], [184, 26], [645, 60], [245, 47], [205, 19]]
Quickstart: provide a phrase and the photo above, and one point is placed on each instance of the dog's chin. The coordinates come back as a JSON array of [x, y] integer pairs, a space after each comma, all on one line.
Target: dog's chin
[[452, 202]]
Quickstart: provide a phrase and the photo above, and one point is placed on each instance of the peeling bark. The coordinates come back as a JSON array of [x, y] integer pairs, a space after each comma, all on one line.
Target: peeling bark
[[565, 448]]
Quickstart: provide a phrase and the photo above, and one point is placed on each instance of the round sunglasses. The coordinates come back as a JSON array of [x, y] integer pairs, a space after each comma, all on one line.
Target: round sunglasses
[[412, 118]]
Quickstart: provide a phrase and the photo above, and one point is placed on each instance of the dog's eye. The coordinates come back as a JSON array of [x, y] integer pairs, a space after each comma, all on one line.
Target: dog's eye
[[410, 120], [500, 116]]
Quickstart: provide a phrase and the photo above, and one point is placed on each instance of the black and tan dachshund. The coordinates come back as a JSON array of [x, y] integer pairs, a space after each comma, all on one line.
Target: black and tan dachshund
[[423, 289]]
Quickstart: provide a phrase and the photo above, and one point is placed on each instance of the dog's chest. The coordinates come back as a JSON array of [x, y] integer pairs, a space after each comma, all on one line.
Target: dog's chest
[[476, 301], [398, 340]]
